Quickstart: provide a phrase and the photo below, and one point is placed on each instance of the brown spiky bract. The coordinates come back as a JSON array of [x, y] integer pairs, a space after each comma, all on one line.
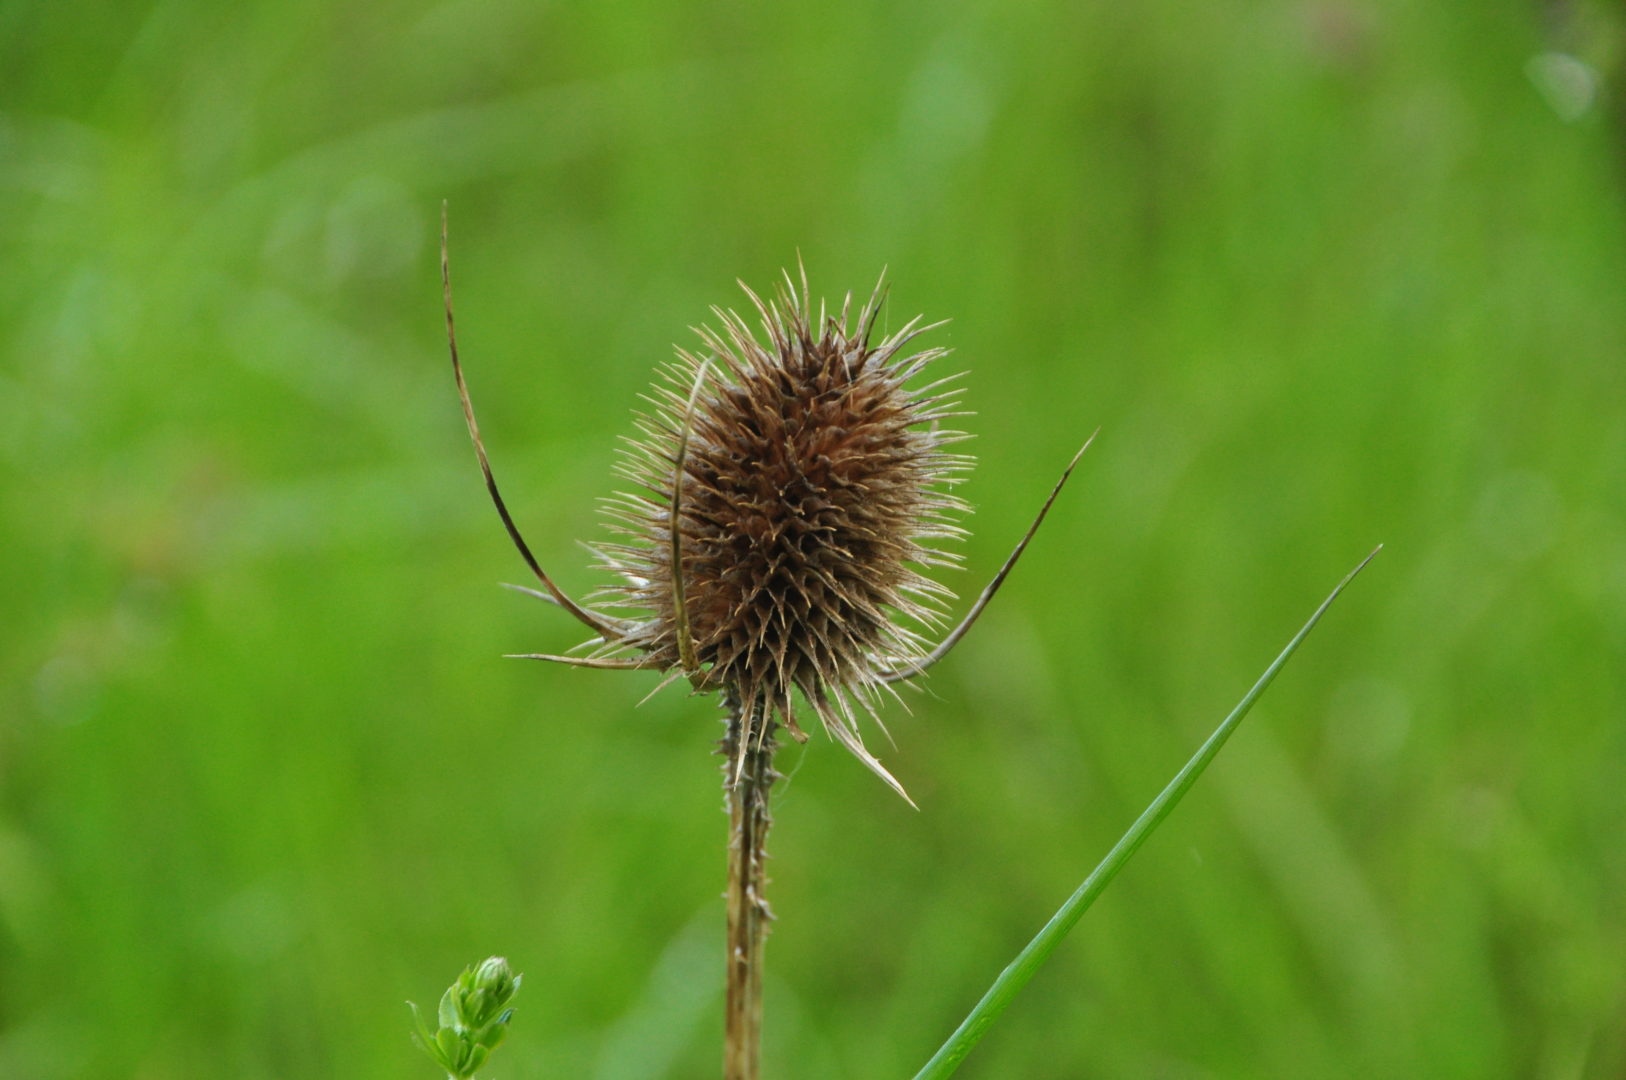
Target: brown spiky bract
[[814, 487]]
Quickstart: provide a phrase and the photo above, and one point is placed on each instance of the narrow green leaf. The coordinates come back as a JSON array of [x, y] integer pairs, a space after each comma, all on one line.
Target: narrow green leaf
[[492, 1034], [424, 1037], [447, 1013], [450, 1047], [1028, 961]]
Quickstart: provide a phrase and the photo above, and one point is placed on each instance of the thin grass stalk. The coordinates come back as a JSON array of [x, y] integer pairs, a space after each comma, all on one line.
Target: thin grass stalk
[[1017, 974], [751, 733]]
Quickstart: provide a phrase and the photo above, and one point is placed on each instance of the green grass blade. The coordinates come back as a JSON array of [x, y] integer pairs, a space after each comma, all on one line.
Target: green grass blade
[[1016, 975]]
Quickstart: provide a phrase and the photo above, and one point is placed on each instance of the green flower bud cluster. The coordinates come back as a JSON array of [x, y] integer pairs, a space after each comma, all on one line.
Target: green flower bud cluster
[[473, 1016]]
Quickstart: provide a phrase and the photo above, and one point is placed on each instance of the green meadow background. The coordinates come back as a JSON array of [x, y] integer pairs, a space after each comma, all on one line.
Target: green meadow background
[[1326, 274]]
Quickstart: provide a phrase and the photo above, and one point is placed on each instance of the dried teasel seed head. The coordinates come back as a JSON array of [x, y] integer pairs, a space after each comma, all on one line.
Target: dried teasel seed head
[[814, 489], [817, 483]]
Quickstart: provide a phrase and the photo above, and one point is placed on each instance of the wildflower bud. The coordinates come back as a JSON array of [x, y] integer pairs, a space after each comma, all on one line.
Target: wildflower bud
[[497, 981], [473, 1018]]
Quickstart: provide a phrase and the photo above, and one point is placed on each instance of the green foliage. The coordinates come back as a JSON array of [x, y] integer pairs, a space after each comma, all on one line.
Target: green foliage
[[1020, 971], [1321, 270]]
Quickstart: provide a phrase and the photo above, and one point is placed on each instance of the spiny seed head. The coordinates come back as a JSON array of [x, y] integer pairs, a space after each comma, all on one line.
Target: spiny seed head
[[781, 512], [814, 489]]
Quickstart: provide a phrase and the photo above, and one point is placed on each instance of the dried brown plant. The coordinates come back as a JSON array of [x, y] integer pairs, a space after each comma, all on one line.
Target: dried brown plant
[[787, 492]]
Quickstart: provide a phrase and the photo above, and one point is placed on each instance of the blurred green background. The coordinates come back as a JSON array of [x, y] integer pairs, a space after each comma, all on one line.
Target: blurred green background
[[1324, 273]]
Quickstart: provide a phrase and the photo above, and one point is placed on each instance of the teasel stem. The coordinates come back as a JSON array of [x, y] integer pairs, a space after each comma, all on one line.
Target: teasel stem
[[748, 774]]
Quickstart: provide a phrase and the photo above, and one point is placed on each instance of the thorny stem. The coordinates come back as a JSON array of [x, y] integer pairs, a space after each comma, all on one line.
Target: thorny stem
[[748, 912]]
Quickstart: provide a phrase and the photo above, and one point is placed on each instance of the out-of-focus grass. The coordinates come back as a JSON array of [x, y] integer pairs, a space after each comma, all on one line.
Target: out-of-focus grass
[[1326, 273]]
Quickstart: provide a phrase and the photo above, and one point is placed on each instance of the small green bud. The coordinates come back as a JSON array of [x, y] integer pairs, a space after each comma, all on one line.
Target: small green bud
[[473, 1017], [496, 978]]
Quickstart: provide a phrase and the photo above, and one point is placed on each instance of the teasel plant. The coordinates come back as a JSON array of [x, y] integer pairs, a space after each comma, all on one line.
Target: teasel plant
[[787, 492]]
